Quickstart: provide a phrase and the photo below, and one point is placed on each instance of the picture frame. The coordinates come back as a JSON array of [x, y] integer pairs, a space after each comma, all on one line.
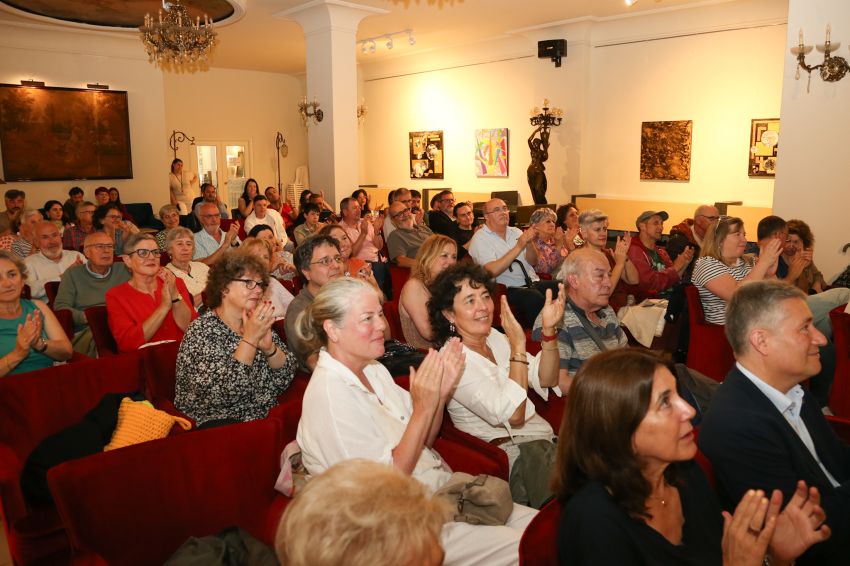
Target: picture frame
[[426, 154], [764, 147], [491, 152], [665, 150]]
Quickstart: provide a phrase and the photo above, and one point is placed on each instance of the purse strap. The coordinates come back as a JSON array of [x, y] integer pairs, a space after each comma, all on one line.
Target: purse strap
[[588, 326]]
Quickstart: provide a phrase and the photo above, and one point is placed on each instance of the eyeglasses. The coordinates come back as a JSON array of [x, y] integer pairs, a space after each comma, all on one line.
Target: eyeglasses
[[252, 284], [101, 247], [497, 209], [710, 218], [447, 199], [327, 261], [113, 217], [216, 215], [400, 213], [85, 212], [143, 253]]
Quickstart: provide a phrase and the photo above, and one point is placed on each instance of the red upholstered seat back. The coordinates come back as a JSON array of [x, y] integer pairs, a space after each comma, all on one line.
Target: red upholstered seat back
[[103, 338], [398, 277], [538, 546], [839, 397], [137, 505], [709, 351], [391, 313], [160, 370]]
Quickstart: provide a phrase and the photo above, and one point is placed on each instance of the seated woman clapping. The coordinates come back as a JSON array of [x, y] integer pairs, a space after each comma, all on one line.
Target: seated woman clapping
[[180, 245], [279, 296], [633, 493], [30, 336], [231, 365], [153, 305], [491, 401], [437, 253], [352, 408]]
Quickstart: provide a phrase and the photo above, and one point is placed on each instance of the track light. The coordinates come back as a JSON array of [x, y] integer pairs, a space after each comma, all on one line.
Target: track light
[[410, 39], [630, 3], [389, 43], [370, 44]]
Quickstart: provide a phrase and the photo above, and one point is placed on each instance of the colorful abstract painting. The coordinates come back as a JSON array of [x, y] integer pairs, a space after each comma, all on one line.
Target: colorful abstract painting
[[491, 152], [665, 150], [764, 147]]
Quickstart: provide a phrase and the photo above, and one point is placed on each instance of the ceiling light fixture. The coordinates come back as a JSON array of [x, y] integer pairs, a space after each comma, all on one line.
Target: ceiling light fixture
[[176, 39], [32, 84], [369, 44], [630, 3]]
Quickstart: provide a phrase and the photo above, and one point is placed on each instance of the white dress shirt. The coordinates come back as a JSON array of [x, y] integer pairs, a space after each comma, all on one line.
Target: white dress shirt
[[272, 219], [486, 246], [40, 270]]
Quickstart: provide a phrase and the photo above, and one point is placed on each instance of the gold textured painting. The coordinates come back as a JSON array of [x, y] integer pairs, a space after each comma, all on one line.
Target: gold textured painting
[[764, 147], [665, 150]]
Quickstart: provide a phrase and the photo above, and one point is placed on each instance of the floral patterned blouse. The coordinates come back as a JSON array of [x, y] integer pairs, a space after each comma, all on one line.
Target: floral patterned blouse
[[548, 257], [212, 384]]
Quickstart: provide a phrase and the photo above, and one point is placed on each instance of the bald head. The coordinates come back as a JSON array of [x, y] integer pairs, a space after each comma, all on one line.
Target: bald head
[[210, 217], [496, 214], [48, 239], [586, 275], [705, 216]]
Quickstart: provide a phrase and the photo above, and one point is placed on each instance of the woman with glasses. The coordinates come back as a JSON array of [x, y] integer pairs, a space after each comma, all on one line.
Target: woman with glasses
[[170, 217], [722, 267], [108, 218], [115, 196], [231, 366], [153, 305]]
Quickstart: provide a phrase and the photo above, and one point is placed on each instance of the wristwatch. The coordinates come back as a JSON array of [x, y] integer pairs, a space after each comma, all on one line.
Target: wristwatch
[[177, 300]]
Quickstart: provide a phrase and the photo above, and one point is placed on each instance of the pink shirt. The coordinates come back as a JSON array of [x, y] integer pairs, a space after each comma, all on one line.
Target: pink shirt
[[368, 251]]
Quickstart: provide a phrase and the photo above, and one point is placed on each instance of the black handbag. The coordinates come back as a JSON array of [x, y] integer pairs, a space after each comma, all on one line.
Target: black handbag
[[399, 357]]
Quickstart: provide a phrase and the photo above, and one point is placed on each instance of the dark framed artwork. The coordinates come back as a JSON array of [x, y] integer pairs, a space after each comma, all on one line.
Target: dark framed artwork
[[764, 146], [426, 155], [58, 134], [665, 150]]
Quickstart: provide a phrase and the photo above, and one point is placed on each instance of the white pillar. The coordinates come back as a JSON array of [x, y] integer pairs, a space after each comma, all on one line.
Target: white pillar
[[330, 28]]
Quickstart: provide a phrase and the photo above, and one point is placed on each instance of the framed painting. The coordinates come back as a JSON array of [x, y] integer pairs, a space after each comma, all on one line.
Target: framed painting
[[57, 134], [491, 152], [764, 145], [426, 155], [665, 150]]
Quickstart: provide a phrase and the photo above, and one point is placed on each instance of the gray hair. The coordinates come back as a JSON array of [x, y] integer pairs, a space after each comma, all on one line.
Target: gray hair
[[541, 215], [756, 305], [19, 263], [332, 302], [133, 241], [177, 232], [82, 204], [588, 217], [167, 209], [30, 212], [576, 261]]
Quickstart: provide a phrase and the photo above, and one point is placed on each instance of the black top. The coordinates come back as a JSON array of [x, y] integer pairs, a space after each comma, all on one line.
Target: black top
[[596, 530], [440, 223]]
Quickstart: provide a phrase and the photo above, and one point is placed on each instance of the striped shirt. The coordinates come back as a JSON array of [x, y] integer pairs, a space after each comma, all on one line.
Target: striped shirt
[[708, 268]]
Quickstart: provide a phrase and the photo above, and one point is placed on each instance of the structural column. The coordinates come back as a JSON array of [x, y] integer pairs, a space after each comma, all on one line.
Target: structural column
[[330, 28]]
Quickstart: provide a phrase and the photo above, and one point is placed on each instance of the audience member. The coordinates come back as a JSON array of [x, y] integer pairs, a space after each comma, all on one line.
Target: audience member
[[23, 244], [491, 400], [115, 196], [404, 241], [275, 292], [416, 205], [568, 222], [107, 218], [352, 408], [763, 430], [181, 186], [262, 214], [75, 234], [318, 261], [170, 217], [721, 270], [211, 242], [30, 336], [593, 227], [403, 196], [75, 197], [550, 243], [101, 196], [437, 253], [153, 305], [465, 229], [691, 233], [326, 211], [351, 266], [282, 265], [497, 247], [374, 512], [657, 274], [363, 199], [54, 212], [365, 236], [311, 224], [85, 286], [16, 201], [231, 366], [303, 200], [209, 194], [180, 245], [246, 199], [800, 243], [633, 493], [283, 207], [589, 325], [51, 261], [440, 219]]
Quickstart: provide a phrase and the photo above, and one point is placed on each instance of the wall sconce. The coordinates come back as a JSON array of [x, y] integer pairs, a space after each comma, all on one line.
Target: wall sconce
[[370, 44], [548, 117], [310, 111], [362, 110], [176, 137], [831, 70]]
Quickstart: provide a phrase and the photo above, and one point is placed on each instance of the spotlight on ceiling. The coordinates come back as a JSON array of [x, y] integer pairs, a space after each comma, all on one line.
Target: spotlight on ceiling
[[630, 3], [389, 43], [410, 39]]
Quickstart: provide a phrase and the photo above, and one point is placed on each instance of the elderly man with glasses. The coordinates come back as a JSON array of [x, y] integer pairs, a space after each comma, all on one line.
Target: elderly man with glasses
[[502, 250], [211, 241], [690, 232], [407, 237]]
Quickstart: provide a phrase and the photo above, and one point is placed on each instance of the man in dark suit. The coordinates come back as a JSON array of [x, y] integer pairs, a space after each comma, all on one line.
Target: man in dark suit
[[764, 431], [440, 219]]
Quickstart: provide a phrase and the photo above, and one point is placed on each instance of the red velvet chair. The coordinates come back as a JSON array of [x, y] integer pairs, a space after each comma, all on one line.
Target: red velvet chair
[[709, 351], [66, 319], [841, 426], [398, 277], [538, 546], [99, 324], [137, 505], [34, 406], [551, 410], [50, 289], [159, 369], [839, 397], [293, 285], [279, 328], [391, 313]]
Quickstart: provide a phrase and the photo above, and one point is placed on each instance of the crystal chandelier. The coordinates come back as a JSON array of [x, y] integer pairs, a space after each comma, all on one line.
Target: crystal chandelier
[[176, 39]]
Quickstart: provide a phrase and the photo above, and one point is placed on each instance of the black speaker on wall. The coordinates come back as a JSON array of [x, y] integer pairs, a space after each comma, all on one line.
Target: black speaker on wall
[[552, 49]]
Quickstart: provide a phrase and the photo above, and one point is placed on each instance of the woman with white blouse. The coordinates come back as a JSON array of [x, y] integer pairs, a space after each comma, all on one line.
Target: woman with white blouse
[[352, 408], [180, 245], [491, 401]]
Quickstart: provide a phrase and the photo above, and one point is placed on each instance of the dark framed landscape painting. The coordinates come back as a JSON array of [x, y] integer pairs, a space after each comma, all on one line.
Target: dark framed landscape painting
[[58, 134]]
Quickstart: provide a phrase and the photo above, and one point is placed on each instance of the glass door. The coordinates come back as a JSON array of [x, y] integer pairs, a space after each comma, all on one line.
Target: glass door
[[225, 164]]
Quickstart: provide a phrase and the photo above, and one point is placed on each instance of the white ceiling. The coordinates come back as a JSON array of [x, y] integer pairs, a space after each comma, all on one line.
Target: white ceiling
[[259, 41]]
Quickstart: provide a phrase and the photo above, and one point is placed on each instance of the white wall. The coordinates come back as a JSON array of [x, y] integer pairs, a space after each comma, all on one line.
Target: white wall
[[813, 173], [717, 75]]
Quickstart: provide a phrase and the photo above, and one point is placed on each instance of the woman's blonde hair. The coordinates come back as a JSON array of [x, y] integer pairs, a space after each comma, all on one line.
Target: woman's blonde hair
[[332, 302], [254, 242], [360, 513], [428, 253], [19, 263], [715, 235]]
